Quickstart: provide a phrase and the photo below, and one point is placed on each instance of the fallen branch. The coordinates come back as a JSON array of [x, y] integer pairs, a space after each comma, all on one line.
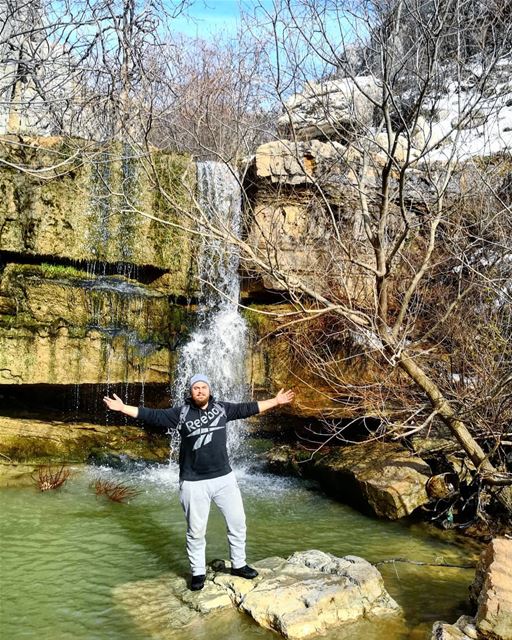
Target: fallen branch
[[497, 479], [426, 564]]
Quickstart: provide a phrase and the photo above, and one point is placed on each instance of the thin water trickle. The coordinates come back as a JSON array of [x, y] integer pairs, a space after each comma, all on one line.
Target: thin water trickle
[[217, 347]]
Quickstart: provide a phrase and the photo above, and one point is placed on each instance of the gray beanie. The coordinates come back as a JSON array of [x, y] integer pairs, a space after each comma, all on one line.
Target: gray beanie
[[199, 377]]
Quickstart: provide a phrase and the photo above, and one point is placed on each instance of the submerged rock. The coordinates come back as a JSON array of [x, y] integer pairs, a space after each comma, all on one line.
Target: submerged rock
[[163, 605], [463, 629], [384, 476], [302, 596]]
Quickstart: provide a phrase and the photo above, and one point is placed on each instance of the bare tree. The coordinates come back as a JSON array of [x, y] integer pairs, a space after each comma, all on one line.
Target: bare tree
[[213, 99], [80, 69], [406, 97]]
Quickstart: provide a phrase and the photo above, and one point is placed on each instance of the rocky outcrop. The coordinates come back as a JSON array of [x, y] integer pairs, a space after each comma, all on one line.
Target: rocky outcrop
[[491, 593], [35, 441], [61, 325], [492, 590], [288, 209], [450, 127], [331, 109], [386, 477], [79, 211], [306, 595], [298, 163], [307, 186]]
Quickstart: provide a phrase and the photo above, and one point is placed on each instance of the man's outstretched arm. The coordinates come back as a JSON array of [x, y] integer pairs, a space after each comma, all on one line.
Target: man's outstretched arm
[[116, 404], [283, 397]]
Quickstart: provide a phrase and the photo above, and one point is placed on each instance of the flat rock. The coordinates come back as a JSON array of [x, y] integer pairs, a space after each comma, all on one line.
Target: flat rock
[[27, 440], [307, 594], [386, 477]]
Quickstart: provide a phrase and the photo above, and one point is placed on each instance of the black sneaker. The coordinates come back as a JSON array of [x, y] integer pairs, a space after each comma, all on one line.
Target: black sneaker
[[246, 572], [197, 583]]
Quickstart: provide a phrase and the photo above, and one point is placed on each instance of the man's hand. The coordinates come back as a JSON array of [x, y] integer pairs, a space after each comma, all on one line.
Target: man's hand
[[116, 404], [285, 397]]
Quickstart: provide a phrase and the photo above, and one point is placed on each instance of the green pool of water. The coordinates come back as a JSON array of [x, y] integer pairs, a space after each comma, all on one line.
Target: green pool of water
[[63, 553]]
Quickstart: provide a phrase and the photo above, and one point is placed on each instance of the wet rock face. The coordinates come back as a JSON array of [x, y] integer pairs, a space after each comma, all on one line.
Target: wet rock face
[[80, 213], [306, 595], [60, 322], [62, 326], [384, 476], [38, 442]]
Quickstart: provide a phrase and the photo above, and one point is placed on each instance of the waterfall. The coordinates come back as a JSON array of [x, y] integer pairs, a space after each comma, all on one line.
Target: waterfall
[[217, 346]]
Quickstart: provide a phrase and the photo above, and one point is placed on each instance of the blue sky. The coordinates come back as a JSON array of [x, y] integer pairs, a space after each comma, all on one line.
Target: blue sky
[[205, 17]]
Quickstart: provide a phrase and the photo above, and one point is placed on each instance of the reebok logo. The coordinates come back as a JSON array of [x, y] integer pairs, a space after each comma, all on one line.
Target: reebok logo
[[204, 427]]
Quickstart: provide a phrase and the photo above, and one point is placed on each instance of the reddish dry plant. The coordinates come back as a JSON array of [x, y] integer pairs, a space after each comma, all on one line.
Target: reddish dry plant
[[115, 491], [50, 478]]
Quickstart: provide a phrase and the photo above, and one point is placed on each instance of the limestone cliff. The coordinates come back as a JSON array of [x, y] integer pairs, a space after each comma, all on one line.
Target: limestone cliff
[[85, 281]]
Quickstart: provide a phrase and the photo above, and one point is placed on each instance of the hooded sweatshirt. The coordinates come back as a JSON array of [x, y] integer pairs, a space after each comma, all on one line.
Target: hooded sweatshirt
[[203, 450]]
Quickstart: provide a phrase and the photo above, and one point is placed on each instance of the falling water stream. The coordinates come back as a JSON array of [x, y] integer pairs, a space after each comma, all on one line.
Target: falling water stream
[[217, 347]]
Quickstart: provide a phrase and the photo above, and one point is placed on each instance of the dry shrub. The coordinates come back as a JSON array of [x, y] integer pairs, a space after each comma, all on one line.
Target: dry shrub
[[49, 478], [115, 491]]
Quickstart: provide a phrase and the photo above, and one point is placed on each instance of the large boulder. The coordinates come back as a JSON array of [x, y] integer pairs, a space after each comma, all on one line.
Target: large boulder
[[491, 593], [384, 476], [306, 595], [492, 590], [314, 591]]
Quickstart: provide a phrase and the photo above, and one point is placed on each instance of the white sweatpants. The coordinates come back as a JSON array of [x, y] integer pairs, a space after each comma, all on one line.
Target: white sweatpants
[[196, 497]]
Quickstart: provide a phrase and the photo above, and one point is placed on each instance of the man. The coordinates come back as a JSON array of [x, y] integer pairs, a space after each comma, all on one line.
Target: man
[[205, 473]]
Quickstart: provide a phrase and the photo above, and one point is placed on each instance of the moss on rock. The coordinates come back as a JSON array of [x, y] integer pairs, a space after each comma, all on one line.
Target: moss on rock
[[82, 202], [35, 442]]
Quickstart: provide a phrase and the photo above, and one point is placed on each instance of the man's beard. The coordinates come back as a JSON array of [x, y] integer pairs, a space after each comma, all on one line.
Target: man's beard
[[200, 403]]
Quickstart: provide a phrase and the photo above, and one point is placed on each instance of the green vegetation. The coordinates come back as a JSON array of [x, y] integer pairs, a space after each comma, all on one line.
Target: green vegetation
[[60, 271], [48, 271]]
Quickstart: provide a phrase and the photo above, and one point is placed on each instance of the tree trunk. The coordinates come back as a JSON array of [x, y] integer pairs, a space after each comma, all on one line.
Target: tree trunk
[[456, 426]]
